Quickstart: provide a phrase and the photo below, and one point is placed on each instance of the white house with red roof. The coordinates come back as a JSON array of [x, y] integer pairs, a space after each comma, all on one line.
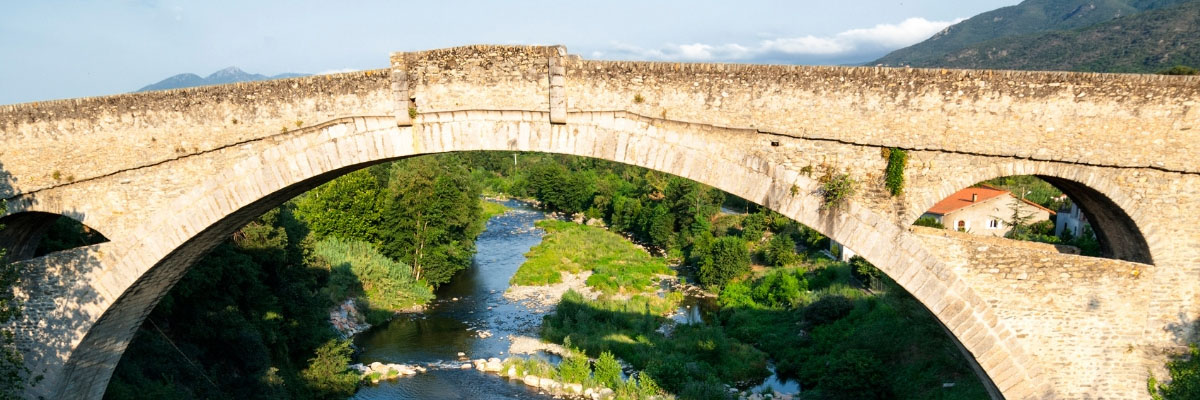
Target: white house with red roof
[[983, 210]]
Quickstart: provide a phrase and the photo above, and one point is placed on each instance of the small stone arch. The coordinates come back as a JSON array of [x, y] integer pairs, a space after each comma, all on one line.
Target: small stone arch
[[141, 273], [24, 231], [1113, 214]]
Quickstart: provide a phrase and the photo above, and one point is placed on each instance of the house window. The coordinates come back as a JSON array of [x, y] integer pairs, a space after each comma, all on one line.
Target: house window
[[962, 226], [993, 224]]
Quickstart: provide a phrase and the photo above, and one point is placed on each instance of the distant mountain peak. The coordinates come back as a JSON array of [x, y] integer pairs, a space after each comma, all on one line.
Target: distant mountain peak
[[228, 71], [220, 77]]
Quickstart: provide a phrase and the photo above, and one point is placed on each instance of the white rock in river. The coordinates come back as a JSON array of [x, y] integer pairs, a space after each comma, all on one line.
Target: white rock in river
[[549, 384], [465, 366], [531, 380], [574, 388]]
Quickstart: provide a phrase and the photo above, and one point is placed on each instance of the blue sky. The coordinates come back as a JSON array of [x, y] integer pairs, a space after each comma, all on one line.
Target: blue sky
[[60, 49]]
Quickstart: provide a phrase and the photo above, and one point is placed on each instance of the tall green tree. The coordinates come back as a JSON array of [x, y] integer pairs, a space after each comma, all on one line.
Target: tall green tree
[[728, 259], [431, 217], [349, 207], [660, 226]]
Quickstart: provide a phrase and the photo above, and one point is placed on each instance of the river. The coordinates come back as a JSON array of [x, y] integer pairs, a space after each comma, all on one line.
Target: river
[[471, 303]]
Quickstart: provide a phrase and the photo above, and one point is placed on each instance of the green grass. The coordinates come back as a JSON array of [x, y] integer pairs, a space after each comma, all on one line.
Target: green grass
[[629, 330], [490, 209], [617, 265], [357, 268], [911, 354]]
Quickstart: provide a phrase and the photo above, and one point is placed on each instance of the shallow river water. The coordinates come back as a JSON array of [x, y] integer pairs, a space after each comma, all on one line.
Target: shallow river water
[[471, 303]]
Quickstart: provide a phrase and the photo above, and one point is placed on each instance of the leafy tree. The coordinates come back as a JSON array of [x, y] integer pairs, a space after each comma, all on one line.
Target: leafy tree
[[608, 370], [625, 213], [1086, 241], [574, 367], [241, 323], [67, 233], [647, 386], [327, 375], [349, 207], [660, 226], [780, 251], [864, 271], [562, 190], [1018, 221], [431, 218], [727, 260], [753, 226]]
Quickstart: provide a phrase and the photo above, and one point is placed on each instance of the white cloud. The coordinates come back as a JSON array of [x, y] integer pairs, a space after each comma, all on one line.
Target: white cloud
[[862, 42]]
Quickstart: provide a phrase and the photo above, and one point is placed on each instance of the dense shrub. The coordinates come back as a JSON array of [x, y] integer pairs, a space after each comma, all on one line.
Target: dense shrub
[[608, 371], [854, 375], [780, 251], [726, 260], [828, 309], [574, 368], [930, 222], [753, 227], [327, 373]]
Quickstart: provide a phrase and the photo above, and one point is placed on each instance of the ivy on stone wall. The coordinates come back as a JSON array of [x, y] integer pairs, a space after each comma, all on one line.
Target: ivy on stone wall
[[894, 174]]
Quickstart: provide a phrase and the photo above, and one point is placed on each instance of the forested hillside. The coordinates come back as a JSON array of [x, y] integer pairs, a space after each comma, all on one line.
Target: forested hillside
[[1097, 36]]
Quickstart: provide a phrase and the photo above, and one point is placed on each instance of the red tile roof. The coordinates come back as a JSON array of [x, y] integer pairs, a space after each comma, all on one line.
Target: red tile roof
[[962, 198]]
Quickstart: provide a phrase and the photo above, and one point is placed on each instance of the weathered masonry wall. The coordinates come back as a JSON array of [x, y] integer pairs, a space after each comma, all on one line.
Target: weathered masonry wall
[[1073, 117], [1076, 314], [98, 136], [165, 175]]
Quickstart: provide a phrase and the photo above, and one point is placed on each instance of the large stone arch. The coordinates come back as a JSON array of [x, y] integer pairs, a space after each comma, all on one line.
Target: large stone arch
[[1118, 219], [138, 274]]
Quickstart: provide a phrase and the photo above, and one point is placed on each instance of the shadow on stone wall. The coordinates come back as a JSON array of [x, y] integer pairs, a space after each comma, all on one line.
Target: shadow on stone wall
[[54, 292]]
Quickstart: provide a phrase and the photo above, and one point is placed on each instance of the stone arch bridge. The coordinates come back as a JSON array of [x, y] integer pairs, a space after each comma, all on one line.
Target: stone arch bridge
[[167, 175]]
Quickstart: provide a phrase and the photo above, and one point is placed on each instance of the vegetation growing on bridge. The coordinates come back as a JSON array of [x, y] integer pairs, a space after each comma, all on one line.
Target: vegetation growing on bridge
[[894, 174], [836, 189]]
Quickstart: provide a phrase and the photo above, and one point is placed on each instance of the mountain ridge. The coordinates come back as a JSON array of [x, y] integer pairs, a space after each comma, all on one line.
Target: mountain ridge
[[220, 77], [1020, 24]]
